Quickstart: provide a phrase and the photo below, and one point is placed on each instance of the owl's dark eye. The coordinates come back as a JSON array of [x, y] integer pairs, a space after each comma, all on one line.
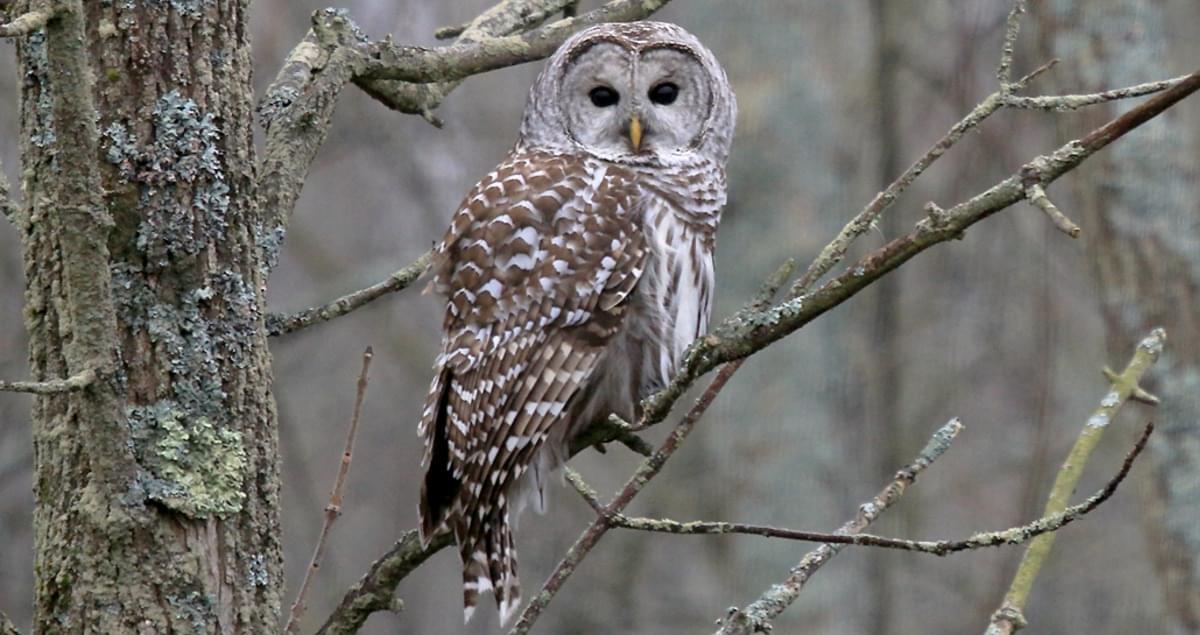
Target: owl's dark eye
[[603, 96], [664, 94]]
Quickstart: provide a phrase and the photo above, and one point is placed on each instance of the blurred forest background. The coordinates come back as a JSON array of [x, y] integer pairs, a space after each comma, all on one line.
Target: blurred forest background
[[1007, 329]]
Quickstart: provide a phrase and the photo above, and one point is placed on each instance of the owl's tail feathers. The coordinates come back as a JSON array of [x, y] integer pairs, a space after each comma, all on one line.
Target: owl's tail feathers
[[491, 565]]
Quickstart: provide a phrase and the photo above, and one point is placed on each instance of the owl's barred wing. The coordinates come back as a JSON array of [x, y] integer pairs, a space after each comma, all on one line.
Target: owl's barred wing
[[537, 267]]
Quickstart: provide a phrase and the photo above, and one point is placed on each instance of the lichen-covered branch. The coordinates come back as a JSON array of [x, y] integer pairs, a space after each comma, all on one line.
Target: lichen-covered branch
[[30, 21], [52, 386], [756, 617], [1011, 536], [1037, 197], [374, 591], [506, 18], [479, 55], [334, 509], [398, 281], [1008, 618], [1062, 103]]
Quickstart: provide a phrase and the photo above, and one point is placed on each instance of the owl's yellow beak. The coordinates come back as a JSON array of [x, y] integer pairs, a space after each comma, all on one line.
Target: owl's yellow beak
[[635, 133]]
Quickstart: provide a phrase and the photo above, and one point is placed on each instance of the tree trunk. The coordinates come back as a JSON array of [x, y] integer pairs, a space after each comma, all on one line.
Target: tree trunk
[[1139, 219], [156, 485]]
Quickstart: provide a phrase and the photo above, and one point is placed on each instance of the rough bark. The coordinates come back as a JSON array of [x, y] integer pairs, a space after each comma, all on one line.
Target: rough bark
[[1141, 235], [157, 485]]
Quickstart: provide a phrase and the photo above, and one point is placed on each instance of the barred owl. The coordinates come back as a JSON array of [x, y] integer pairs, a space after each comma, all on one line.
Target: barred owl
[[576, 274]]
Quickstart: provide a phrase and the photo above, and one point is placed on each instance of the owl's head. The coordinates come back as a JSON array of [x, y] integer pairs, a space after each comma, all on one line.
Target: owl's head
[[641, 92]]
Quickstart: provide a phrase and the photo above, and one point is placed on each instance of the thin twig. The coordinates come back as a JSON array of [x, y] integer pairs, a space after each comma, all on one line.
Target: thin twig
[[979, 540], [757, 616], [334, 508], [398, 281], [1037, 197], [1009, 617], [78, 381]]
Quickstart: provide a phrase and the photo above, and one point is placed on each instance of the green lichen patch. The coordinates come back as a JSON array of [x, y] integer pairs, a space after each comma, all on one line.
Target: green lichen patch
[[191, 465]]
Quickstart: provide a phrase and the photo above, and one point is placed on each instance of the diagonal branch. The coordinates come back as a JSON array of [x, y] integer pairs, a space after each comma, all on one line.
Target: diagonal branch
[[283, 324], [1123, 387], [51, 386], [756, 617]]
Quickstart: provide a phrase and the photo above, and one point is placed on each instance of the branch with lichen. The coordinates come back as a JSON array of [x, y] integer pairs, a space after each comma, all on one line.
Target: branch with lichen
[[6, 626], [1124, 386], [34, 19], [51, 386], [373, 592], [1012, 536], [756, 617], [283, 324]]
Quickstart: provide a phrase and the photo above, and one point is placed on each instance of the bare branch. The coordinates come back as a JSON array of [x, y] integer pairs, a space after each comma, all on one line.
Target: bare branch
[[1011, 536], [1037, 197], [756, 617], [398, 281], [1062, 103], [334, 509], [374, 591], [1008, 618], [51, 386], [31, 21]]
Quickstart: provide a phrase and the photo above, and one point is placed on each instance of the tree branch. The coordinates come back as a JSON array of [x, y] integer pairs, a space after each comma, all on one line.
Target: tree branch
[[6, 626], [505, 18], [334, 509], [30, 21], [374, 591], [8, 208], [387, 60], [283, 324], [1063, 103], [756, 617], [1009, 618], [52, 386], [1011, 536]]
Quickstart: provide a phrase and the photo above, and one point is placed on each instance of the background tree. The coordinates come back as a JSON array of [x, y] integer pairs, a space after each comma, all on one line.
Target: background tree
[[1008, 314]]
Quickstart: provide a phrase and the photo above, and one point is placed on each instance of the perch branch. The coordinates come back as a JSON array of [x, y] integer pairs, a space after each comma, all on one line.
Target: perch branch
[[398, 281], [334, 508], [1011, 536], [30, 21], [757, 616], [1009, 617], [644, 473], [73, 383], [1037, 197], [373, 592]]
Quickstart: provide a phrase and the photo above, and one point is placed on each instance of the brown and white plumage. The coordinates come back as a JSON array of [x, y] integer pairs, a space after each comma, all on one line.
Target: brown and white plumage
[[576, 273]]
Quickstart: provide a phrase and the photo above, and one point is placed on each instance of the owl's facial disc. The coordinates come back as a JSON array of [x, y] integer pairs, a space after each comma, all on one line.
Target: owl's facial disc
[[622, 103]]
